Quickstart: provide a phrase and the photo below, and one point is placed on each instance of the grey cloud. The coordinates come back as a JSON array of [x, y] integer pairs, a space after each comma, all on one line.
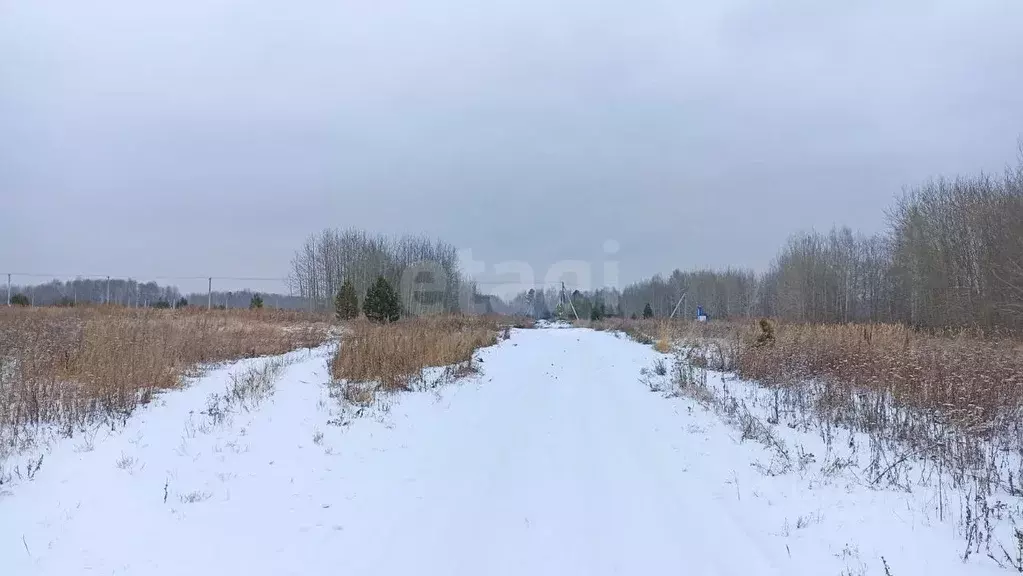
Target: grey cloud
[[210, 137]]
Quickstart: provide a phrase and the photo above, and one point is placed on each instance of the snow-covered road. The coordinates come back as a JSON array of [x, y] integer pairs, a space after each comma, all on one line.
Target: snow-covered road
[[554, 460], [559, 464]]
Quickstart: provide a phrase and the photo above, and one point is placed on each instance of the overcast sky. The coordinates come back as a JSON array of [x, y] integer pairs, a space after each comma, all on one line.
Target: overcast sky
[[210, 137]]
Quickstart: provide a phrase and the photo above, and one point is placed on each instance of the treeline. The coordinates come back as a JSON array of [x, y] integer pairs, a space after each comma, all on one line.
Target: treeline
[[951, 256], [731, 293], [95, 291], [132, 293], [424, 272], [723, 294], [549, 302], [243, 298]]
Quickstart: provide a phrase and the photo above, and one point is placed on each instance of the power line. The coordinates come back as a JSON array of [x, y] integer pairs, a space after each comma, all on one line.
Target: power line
[[146, 277], [238, 278], [500, 282]]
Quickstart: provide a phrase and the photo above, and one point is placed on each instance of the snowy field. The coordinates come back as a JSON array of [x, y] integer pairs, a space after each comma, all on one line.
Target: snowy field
[[555, 459]]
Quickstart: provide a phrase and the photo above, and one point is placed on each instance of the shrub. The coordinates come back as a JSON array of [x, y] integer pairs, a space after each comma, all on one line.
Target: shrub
[[256, 302], [393, 355], [346, 303], [766, 335], [181, 303], [648, 312], [20, 300], [382, 302]]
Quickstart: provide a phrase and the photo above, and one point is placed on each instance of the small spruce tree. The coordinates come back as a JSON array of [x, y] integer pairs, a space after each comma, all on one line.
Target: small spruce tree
[[256, 302], [382, 303], [648, 312], [19, 300], [181, 303], [346, 303]]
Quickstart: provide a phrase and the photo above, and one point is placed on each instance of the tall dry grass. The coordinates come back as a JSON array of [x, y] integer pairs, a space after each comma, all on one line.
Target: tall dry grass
[[663, 333], [393, 356], [954, 397], [68, 366], [968, 381], [940, 410]]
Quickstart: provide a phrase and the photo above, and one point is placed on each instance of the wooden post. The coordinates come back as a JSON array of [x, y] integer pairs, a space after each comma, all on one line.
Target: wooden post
[[678, 304], [569, 297]]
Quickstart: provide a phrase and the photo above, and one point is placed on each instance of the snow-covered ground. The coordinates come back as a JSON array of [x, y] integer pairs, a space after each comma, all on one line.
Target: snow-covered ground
[[555, 459]]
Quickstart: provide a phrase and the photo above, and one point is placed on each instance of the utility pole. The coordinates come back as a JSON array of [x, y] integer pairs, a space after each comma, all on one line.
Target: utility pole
[[8, 289], [209, 294], [570, 303], [684, 292], [108, 289]]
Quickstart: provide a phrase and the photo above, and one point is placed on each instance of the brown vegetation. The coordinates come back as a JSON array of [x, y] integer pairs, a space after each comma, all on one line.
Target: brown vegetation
[[910, 385], [394, 355], [653, 330], [67, 366], [972, 382], [937, 408]]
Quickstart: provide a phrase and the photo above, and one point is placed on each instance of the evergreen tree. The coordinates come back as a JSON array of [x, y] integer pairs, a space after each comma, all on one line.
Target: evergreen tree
[[346, 303], [256, 302], [382, 303], [648, 312], [19, 300], [182, 303]]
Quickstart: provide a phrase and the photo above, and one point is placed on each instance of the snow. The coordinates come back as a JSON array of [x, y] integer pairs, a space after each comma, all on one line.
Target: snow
[[554, 459]]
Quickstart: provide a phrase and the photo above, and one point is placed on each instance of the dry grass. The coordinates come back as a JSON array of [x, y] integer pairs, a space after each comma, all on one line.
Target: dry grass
[[68, 366], [905, 408], [955, 397], [937, 409], [663, 333], [642, 331], [395, 355], [508, 320], [966, 381]]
